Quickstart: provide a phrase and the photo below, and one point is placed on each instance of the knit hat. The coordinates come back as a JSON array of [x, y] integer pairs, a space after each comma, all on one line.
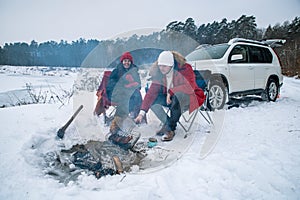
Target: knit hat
[[166, 58], [126, 55]]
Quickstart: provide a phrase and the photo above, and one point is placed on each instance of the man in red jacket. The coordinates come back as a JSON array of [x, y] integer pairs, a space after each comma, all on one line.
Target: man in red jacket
[[173, 85]]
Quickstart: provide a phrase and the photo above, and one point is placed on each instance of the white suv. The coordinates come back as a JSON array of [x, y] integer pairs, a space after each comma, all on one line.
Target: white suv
[[239, 67]]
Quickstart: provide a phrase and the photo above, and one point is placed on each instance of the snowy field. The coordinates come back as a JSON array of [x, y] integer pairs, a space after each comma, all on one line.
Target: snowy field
[[256, 154]]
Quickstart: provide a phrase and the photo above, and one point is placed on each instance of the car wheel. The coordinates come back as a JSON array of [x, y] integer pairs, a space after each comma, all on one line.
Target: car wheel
[[272, 90], [216, 96]]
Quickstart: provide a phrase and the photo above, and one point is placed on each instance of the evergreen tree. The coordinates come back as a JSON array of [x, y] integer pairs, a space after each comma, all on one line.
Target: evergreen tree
[[223, 34], [245, 27], [269, 32], [294, 27], [177, 36], [189, 28], [175, 26]]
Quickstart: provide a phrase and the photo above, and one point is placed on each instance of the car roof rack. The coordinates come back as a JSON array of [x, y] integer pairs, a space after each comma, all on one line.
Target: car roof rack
[[235, 40], [274, 42]]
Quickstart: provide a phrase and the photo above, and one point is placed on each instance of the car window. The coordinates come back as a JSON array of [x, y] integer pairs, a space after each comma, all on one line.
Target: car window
[[260, 55], [208, 52], [238, 54], [267, 55]]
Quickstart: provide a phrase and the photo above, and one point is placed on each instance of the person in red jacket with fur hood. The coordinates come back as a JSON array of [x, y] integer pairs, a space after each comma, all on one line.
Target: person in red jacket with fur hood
[[173, 85]]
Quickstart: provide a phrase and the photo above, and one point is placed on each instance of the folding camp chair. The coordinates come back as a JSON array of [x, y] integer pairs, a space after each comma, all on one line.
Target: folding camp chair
[[191, 118], [103, 102], [202, 77]]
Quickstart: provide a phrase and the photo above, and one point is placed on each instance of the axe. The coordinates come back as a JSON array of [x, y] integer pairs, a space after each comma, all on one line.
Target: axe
[[61, 131]]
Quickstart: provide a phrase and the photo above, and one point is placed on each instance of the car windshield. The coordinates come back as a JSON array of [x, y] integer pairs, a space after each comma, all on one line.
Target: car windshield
[[208, 52]]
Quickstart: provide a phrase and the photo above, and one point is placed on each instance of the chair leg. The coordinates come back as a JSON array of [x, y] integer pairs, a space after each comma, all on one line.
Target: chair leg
[[208, 115], [208, 118], [192, 118], [108, 117]]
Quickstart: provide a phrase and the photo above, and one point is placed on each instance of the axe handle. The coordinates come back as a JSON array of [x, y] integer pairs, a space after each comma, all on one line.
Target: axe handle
[[72, 118]]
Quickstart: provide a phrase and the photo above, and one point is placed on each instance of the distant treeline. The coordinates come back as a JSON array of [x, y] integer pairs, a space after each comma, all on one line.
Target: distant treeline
[[180, 36]]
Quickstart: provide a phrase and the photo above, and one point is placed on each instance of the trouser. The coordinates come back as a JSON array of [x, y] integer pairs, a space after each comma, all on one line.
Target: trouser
[[180, 103], [128, 102], [135, 103]]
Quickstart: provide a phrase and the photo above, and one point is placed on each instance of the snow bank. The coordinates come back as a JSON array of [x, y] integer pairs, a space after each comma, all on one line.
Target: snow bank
[[256, 157]]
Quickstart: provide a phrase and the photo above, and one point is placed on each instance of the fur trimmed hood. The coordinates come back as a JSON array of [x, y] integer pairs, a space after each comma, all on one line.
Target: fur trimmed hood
[[180, 59]]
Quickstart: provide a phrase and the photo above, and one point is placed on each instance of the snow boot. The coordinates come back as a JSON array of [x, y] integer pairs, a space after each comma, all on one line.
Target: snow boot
[[168, 136], [162, 131], [114, 126]]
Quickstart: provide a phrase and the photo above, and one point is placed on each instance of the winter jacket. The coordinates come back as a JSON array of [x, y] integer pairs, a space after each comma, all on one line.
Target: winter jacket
[[183, 81], [123, 81]]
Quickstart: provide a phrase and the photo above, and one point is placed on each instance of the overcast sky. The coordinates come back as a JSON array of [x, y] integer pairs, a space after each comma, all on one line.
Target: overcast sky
[[45, 20]]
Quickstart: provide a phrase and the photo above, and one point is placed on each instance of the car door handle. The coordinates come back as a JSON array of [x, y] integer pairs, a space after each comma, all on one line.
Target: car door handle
[[251, 67]]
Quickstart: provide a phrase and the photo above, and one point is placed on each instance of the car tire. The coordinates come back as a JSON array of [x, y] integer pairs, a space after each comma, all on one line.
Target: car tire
[[216, 95], [272, 90]]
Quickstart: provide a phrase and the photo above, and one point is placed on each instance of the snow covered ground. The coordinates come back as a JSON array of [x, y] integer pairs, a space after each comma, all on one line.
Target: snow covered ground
[[257, 155]]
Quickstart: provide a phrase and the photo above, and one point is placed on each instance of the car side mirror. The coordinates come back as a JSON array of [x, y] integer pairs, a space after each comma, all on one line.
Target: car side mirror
[[236, 57]]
